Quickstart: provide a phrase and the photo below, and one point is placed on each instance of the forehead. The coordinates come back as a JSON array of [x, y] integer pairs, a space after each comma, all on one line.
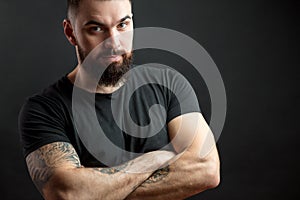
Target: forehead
[[106, 11]]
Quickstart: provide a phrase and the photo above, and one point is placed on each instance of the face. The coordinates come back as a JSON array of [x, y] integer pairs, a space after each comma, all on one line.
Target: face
[[102, 29]]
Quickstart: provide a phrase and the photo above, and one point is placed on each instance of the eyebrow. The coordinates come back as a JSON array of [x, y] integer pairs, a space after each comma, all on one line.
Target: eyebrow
[[93, 22]]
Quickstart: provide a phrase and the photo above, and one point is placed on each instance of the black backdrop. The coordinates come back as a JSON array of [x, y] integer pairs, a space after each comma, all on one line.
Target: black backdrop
[[255, 45]]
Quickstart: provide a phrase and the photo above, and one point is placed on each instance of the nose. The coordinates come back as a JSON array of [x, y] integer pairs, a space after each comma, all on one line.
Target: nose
[[113, 40]]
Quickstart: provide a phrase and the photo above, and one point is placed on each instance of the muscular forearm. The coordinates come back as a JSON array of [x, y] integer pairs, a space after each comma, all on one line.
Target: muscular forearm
[[196, 170], [183, 178], [93, 183], [105, 183], [56, 171]]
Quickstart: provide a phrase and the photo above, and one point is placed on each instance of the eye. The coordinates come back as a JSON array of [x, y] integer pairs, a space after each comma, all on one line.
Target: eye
[[123, 25], [96, 29]]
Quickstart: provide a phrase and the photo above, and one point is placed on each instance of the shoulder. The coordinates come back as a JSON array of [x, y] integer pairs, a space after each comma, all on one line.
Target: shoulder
[[49, 100]]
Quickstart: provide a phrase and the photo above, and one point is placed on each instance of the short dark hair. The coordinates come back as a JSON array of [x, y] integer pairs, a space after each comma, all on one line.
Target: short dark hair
[[72, 6]]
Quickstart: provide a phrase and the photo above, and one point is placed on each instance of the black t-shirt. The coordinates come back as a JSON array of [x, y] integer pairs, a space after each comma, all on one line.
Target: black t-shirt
[[48, 117]]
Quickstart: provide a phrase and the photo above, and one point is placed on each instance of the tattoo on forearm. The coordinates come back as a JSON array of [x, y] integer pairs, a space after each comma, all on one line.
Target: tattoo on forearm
[[38, 170], [158, 175], [112, 170], [41, 162]]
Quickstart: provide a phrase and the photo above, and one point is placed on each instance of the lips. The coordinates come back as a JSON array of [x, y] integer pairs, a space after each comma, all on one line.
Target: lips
[[112, 58]]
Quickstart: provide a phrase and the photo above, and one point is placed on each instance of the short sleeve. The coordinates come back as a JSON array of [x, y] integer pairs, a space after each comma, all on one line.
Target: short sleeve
[[183, 99], [41, 122]]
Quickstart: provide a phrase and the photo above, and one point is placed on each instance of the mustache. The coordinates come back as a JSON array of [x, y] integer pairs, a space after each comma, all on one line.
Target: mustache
[[113, 52]]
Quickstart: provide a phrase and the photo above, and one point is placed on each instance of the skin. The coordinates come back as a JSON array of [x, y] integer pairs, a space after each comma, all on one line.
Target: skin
[[56, 169], [57, 173], [85, 33], [196, 169]]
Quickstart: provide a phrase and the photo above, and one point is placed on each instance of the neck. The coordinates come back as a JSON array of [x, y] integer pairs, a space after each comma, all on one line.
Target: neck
[[84, 81], [104, 89]]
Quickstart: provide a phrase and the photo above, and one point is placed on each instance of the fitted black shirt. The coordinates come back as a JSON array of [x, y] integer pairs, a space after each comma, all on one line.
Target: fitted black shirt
[[48, 116]]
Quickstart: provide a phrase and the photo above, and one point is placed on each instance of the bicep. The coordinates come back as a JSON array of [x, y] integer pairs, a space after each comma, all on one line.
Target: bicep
[[191, 132], [43, 162]]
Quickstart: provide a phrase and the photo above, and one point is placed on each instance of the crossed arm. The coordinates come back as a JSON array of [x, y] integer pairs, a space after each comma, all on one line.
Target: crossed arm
[[57, 173]]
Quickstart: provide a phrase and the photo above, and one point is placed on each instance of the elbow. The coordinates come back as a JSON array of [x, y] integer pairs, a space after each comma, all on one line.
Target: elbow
[[212, 174], [56, 192], [60, 187], [213, 180]]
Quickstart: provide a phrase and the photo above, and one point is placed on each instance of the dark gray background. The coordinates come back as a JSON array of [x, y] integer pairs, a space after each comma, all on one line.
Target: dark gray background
[[254, 43]]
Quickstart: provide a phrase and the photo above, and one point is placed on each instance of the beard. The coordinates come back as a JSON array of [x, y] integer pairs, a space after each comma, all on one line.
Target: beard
[[115, 71]]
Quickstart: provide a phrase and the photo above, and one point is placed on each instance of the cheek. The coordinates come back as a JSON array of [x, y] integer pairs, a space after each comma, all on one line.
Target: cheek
[[89, 42], [126, 40]]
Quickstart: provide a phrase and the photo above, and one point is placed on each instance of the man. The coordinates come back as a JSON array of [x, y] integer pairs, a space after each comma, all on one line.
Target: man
[[60, 164]]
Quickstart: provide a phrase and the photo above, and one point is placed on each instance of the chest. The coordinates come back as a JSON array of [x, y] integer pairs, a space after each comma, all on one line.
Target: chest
[[135, 125]]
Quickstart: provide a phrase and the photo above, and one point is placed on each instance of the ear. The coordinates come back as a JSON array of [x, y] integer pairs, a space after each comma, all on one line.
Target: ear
[[69, 32]]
